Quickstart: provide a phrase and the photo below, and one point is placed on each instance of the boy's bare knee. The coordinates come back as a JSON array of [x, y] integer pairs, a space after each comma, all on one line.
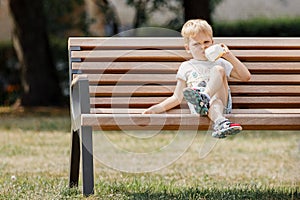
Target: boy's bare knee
[[219, 69]]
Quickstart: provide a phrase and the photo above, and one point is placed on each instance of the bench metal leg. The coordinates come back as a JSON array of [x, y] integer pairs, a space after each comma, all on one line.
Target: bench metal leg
[[74, 160], [87, 160]]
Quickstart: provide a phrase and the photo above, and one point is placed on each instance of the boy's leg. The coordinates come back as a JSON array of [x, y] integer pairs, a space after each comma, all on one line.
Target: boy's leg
[[222, 126], [216, 110], [217, 83], [218, 88]]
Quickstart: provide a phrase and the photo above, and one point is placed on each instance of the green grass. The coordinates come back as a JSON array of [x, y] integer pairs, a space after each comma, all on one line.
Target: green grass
[[253, 165]]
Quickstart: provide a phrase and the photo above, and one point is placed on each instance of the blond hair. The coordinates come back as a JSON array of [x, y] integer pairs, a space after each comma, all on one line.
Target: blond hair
[[194, 26]]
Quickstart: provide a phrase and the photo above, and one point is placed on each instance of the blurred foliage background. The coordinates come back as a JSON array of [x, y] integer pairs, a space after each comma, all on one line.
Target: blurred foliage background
[[66, 18]]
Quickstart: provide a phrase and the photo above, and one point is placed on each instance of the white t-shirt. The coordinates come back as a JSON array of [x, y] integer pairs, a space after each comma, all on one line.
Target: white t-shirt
[[196, 74], [194, 71]]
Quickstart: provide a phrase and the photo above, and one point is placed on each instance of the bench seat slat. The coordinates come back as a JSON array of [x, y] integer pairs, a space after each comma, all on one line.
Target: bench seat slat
[[187, 111], [167, 90], [187, 121]]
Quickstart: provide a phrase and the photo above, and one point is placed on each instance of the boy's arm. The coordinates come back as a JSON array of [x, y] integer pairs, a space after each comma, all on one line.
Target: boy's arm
[[170, 102], [239, 70]]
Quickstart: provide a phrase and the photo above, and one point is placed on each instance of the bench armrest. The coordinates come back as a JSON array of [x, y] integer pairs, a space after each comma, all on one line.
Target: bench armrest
[[81, 77], [79, 100]]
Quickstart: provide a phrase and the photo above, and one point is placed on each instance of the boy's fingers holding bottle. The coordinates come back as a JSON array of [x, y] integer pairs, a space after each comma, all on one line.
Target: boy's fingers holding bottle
[[226, 49]]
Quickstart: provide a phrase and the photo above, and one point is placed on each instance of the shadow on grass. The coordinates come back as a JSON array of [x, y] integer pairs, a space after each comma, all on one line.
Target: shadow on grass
[[210, 194], [161, 191]]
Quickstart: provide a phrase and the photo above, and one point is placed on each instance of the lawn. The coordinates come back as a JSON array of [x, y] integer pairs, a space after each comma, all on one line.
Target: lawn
[[34, 164]]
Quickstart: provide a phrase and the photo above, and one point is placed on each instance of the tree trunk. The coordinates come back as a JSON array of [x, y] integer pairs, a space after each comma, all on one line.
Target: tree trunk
[[140, 15], [38, 75], [195, 9]]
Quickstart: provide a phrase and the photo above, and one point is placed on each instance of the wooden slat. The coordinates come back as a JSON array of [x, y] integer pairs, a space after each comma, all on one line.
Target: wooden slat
[[273, 67], [187, 121], [264, 90], [266, 102], [128, 43], [145, 122], [172, 67], [268, 55], [266, 111], [267, 121], [127, 90], [126, 67], [272, 79], [177, 42], [187, 111], [170, 79], [133, 111], [113, 79], [238, 102], [125, 102], [167, 90], [260, 42], [181, 55], [131, 55]]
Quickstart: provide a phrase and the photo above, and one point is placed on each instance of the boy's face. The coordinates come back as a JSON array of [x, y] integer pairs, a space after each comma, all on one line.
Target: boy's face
[[198, 44]]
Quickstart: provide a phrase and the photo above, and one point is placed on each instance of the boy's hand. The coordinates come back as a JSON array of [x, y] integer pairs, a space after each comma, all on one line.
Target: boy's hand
[[225, 47], [153, 109], [227, 51], [148, 111], [239, 70]]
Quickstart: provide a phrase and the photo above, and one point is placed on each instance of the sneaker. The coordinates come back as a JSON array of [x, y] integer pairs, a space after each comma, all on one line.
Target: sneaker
[[225, 128], [199, 99]]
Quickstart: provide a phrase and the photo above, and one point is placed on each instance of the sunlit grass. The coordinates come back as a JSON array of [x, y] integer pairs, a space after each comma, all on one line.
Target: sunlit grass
[[34, 164]]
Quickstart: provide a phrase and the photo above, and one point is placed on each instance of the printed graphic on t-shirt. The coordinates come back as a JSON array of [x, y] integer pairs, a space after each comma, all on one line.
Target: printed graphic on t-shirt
[[195, 80]]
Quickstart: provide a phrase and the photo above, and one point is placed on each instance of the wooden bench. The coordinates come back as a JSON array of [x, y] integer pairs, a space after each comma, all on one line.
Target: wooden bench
[[112, 80]]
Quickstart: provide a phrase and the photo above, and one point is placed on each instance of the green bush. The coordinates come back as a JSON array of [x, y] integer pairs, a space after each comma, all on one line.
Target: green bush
[[259, 27]]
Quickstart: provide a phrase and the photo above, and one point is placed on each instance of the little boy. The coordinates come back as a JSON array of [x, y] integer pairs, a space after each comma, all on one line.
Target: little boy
[[204, 83]]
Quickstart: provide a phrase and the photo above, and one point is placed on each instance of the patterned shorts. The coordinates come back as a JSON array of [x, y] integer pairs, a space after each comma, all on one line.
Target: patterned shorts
[[227, 109]]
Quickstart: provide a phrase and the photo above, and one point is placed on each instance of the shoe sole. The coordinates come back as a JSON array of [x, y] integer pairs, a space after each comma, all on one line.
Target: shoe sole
[[197, 99], [229, 131]]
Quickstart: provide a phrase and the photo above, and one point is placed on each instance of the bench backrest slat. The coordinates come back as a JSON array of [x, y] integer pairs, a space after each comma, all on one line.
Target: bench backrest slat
[[179, 55], [177, 43], [169, 79], [171, 67]]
